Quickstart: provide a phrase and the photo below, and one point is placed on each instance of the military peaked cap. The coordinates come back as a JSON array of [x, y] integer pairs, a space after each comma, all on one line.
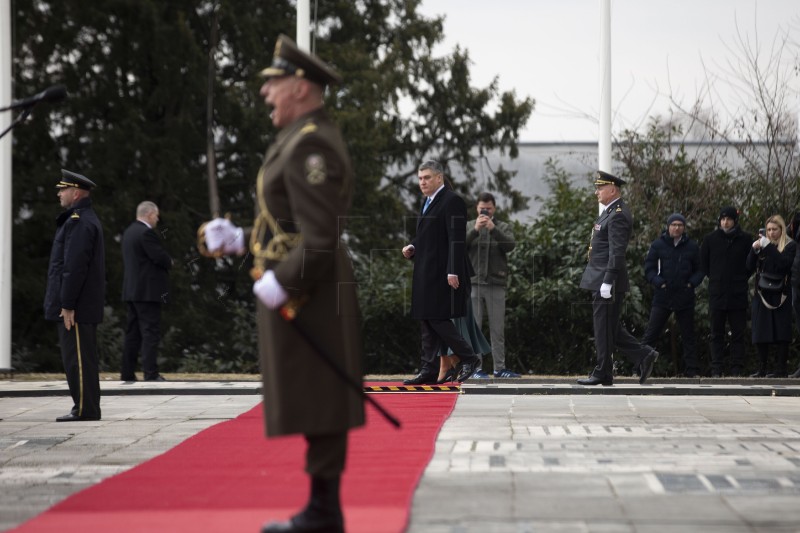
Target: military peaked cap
[[289, 60], [604, 178], [72, 179]]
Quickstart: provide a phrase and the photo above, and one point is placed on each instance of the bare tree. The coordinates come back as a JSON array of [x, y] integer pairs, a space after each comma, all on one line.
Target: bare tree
[[757, 117]]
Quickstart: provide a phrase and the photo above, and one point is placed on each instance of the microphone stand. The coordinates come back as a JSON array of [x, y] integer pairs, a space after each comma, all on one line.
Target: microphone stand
[[22, 116]]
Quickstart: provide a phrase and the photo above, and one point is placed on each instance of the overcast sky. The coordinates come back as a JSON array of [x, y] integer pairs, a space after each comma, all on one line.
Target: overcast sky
[[549, 50]]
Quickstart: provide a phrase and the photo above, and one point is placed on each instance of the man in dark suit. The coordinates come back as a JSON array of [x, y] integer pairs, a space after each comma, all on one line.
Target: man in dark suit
[[606, 276], [75, 293], [440, 283], [144, 289]]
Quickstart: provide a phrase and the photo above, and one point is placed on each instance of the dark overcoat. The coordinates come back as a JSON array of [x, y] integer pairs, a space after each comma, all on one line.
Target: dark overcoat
[[673, 271], [147, 264], [304, 191], [76, 275], [610, 235], [439, 250], [772, 325], [723, 258]]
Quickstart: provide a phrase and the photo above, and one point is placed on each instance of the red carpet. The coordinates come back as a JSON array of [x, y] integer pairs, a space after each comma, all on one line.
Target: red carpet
[[229, 478]]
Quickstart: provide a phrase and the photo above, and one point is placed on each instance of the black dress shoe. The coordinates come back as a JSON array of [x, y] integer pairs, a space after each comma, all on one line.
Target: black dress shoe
[[758, 374], [467, 367], [647, 366], [421, 379], [128, 379], [594, 380], [157, 378], [73, 417], [796, 374]]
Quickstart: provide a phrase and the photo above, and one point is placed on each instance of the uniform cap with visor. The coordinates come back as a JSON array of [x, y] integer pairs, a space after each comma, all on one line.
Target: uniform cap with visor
[[289, 60], [74, 180]]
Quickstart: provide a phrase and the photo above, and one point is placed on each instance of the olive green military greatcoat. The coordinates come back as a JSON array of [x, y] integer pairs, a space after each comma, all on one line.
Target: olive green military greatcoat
[[304, 192]]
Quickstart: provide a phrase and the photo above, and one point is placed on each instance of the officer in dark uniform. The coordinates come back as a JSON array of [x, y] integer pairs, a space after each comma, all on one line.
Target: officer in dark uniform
[[302, 269], [606, 276], [76, 292]]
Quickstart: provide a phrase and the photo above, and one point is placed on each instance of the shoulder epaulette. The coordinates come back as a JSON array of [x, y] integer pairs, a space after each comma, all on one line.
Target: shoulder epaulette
[[310, 127], [619, 209], [75, 215]]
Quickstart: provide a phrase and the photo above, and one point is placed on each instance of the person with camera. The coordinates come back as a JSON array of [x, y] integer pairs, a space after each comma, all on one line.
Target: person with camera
[[488, 243], [771, 256]]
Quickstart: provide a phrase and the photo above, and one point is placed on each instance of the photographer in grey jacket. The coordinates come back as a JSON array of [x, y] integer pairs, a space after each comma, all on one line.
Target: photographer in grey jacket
[[488, 242]]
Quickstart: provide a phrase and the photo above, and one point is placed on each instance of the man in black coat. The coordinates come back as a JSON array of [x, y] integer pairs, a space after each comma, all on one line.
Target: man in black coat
[[75, 293], [672, 267], [144, 289], [723, 258], [440, 283], [606, 276]]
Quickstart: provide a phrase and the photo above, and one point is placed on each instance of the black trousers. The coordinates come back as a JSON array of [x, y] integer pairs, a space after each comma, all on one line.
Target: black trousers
[[326, 454], [143, 331], [79, 356], [685, 319], [437, 336], [737, 319], [609, 335]]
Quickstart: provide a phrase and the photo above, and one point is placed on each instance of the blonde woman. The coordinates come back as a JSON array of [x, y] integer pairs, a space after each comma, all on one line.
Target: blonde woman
[[771, 256]]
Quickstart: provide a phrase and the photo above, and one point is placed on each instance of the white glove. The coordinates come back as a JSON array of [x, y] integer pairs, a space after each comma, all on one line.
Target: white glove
[[236, 246], [605, 290], [269, 291], [222, 235], [763, 241]]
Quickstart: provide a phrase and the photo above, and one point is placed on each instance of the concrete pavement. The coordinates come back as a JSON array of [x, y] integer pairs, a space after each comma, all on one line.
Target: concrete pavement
[[612, 463], [515, 456]]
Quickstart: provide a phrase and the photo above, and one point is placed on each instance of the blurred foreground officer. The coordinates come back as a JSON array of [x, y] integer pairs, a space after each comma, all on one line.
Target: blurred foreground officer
[[304, 191], [145, 286], [606, 276], [76, 292]]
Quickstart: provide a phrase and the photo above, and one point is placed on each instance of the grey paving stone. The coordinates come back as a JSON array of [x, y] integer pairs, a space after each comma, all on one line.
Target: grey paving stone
[[627, 462]]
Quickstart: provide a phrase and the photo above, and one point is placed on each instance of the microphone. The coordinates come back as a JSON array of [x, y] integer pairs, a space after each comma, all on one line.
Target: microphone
[[56, 93]]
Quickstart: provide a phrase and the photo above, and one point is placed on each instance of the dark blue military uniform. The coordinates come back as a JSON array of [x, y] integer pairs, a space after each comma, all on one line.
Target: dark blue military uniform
[[76, 281], [610, 235]]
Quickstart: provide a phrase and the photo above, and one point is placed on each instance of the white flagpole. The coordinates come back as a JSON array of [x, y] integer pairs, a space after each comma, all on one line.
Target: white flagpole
[[304, 25], [604, 138], [6, 189]]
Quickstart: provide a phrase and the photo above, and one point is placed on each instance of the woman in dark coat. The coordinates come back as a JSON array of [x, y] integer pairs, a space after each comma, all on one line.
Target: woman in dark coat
[[772, 256]]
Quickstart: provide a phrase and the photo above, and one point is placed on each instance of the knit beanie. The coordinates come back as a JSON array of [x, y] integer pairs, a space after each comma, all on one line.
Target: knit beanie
[[729, 212], [676, 217]]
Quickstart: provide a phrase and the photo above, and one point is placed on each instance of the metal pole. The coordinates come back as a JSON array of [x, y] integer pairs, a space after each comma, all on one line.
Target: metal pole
[[604, 138], [304, 25], [211, 151], [5, 184]]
